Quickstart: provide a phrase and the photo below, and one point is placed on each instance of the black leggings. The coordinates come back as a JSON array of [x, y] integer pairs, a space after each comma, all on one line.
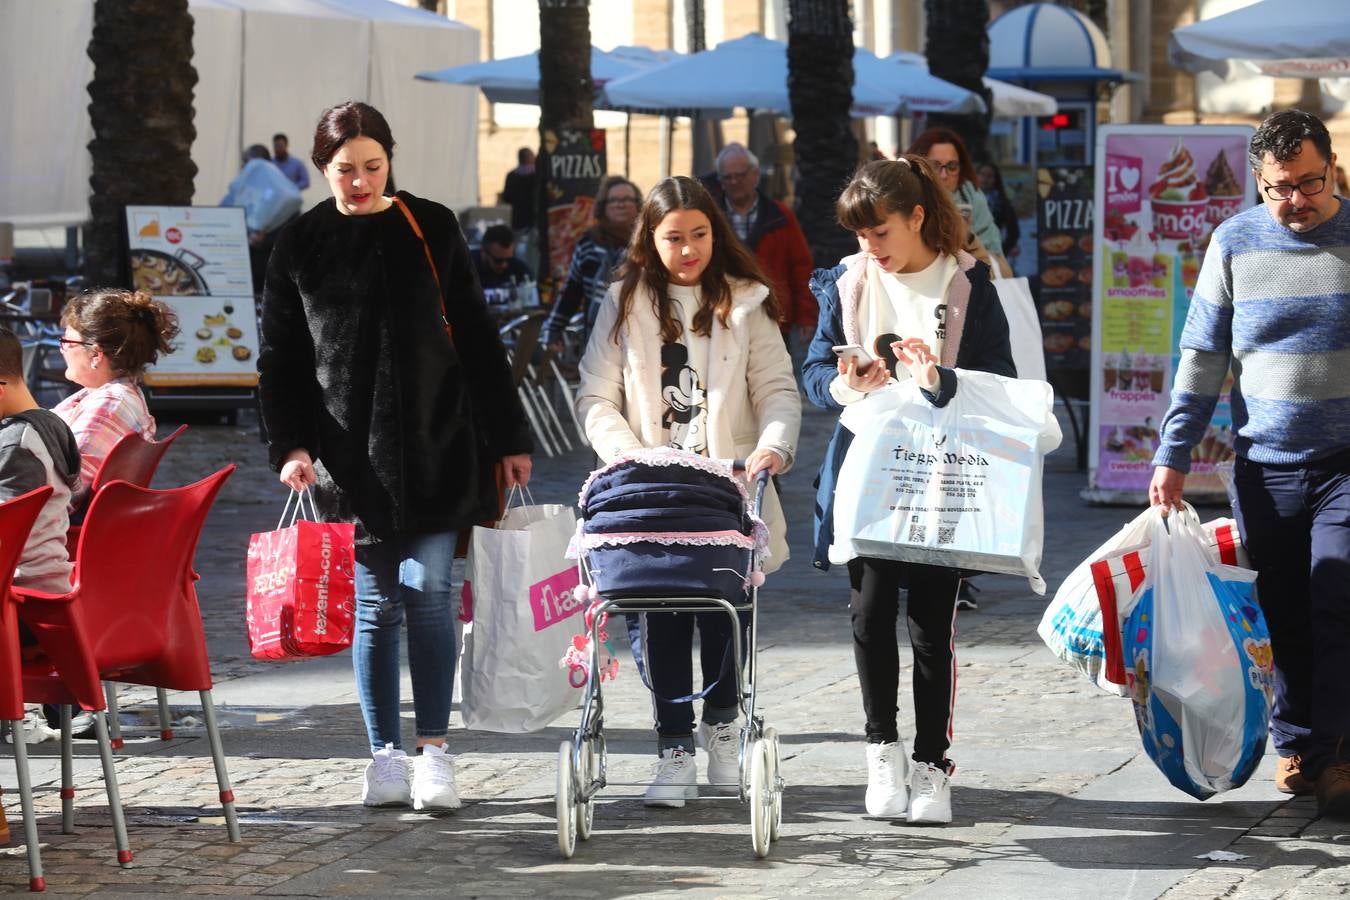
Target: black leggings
[[670, 642], [930, 614]]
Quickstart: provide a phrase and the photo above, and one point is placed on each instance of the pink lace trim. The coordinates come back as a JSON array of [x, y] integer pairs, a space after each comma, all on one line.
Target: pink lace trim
[[677, 539], [668, 456]]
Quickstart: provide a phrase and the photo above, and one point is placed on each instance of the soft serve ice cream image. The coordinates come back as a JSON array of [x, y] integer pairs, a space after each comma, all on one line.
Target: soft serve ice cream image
[[1225, 194], [1177, 197]]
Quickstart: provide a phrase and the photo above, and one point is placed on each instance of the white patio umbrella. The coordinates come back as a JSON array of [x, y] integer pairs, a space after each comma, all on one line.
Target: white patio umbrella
[[1310, 39], [918, 90], [1010, 101], [749, 72], [515, 79]]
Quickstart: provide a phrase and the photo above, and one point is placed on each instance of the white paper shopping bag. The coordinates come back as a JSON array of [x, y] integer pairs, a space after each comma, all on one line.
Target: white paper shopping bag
[[518, 590]]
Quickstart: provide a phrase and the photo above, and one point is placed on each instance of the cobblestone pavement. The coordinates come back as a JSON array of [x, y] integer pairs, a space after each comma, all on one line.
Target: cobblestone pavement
[[1053, 796]]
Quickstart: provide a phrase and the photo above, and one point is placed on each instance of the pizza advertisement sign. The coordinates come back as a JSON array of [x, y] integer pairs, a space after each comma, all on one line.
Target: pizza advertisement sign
[[195, 259], [572, 165]]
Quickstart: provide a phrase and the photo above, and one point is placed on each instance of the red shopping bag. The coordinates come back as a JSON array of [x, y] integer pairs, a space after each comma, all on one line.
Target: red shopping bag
[[301, 587]]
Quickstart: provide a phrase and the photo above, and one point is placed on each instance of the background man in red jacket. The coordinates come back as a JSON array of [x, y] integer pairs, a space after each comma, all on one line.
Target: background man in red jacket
[[771, 230]]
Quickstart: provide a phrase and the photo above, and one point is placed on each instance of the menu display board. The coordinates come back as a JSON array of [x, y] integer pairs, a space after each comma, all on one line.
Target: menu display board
[[1064, 219], [1162, 191], [195, 259]]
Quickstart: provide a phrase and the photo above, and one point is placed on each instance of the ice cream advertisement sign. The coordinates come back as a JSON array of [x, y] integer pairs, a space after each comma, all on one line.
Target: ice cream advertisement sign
[[1162, 191]]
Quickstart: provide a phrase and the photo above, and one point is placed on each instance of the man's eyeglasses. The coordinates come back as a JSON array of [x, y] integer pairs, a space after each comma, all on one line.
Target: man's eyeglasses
[[734, 176], [496, 261], [1309, 188], [951, 168], [71, 342]]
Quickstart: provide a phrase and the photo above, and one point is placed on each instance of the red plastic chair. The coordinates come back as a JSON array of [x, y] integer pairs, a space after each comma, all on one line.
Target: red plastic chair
[[132, 459], [16, 521], [132, 615]]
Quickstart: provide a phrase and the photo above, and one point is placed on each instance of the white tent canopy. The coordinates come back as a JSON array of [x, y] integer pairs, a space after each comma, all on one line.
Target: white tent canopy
[[263, 66], [1311, 41], [1010, 101]]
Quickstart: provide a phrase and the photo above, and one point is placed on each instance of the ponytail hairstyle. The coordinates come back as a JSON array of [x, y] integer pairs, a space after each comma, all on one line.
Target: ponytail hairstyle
[[886, 186], [643, 266], [130, 328]]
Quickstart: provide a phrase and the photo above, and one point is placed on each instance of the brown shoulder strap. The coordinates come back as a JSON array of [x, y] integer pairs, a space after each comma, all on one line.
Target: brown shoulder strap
[[417, 230]]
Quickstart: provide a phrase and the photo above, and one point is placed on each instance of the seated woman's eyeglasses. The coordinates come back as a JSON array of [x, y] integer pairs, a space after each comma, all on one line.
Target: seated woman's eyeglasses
[[1309, 188], [71, 342]]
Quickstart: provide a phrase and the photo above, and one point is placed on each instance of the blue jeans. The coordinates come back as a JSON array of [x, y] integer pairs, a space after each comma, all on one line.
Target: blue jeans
[[1295, 523], [405, 578]]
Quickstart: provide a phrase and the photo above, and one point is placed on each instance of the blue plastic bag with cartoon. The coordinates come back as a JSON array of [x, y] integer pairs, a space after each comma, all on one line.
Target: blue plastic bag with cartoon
[[1197, 662]]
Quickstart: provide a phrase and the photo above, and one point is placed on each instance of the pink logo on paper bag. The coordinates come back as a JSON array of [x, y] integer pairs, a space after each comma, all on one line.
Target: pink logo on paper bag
[[1124, 177], [552, 599]]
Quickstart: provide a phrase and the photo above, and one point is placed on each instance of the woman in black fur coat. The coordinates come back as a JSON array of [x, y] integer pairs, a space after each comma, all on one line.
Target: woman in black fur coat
[[385, 387]]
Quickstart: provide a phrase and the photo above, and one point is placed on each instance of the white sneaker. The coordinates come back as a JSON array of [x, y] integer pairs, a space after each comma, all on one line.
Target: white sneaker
[[723, 745], [433, 779], [887, 795], [388, 779], [35, 727], [930, 796], [676, 780]]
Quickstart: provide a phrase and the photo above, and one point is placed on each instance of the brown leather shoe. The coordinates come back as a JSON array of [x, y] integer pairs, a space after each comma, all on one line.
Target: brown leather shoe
[[1289, 778], [1333, 792]]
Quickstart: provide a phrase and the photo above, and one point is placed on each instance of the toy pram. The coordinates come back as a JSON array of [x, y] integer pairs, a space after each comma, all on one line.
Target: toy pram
[[668, 531]]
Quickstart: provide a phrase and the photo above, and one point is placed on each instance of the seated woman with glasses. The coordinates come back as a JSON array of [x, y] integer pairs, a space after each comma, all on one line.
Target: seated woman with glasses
[[596, 258], [956, 171], [111, 336]]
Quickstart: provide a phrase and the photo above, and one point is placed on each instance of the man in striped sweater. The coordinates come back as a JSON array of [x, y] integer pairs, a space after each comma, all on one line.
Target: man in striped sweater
[[1273, 302]]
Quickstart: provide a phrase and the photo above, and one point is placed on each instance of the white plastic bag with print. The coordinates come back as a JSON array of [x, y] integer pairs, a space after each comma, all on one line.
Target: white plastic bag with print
[[1072, 624], [518, 598], [958, 486], [1194, 653]]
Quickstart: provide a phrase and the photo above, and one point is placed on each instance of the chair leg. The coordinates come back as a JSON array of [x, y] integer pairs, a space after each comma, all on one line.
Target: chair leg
[[67, 773], [30, 833], [165, 721], [222, 776], [114, 725], [119, 821]]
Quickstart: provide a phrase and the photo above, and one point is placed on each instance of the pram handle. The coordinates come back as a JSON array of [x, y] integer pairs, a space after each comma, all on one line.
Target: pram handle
[[761, 479]]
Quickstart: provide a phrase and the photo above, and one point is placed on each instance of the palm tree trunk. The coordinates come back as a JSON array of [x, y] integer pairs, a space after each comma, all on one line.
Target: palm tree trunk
[[566, 96], [140, 106], [958, 51], [820, 87], [565, 88]]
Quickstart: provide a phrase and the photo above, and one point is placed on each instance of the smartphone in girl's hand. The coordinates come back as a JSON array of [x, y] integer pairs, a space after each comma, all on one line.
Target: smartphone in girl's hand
[[856, 353]]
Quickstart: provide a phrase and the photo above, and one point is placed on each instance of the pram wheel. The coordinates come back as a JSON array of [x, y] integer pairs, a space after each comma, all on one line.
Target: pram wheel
[[566, 801], [585, 809], [761, 798], [776, 782]]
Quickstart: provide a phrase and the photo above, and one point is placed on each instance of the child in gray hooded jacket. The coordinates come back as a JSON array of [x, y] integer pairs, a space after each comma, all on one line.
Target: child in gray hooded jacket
[[36, 448]]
